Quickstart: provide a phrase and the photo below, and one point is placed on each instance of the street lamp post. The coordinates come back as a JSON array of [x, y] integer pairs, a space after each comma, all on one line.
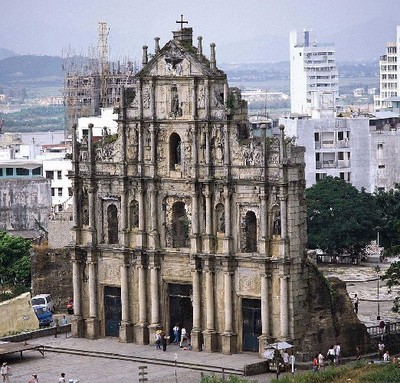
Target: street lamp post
[[378, 269]]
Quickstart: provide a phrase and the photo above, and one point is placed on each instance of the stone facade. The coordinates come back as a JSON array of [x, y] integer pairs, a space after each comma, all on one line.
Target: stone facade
[[184, 216]]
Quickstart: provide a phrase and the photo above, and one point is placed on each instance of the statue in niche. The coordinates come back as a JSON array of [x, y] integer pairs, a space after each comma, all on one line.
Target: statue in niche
[[201, 98], [176, 110], [221, 222], [146, 98], [276, 229]]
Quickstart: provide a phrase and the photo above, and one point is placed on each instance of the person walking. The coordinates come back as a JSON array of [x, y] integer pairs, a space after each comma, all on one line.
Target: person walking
[[61, 379], [176, 333], [355, 301], [331, 355], [163, 341], [183, 336], [337, 353], [321, 361], [292, 361], [285, 357], [34, 379], [315, 363], [5, 372], [381, 349], [358, 353]]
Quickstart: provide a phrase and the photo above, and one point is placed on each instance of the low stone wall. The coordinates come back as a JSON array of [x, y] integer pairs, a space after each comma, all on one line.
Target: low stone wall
[[256, 368], [48, 331]]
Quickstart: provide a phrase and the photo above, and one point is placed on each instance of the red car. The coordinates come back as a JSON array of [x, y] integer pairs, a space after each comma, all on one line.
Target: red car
[[70, 306]]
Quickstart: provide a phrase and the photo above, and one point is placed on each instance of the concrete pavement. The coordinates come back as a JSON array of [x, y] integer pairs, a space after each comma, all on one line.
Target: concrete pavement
[[107, 360]]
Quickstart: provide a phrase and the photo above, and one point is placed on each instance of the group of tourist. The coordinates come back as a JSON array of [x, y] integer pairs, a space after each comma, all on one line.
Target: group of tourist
[[181, 337], [6, 372], [332, 357]]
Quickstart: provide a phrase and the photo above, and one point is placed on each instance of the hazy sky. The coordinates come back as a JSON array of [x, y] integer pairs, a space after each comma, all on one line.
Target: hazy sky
[[50, 26]]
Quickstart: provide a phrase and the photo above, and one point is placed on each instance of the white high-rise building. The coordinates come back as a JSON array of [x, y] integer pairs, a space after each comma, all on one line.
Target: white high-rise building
[[313, 74], [389, 76]]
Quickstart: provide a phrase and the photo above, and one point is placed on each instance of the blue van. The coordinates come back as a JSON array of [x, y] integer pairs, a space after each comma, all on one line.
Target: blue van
[[44, 315]]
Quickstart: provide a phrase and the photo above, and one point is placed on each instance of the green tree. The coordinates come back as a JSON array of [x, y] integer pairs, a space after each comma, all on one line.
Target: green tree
[[389, 227], [340, 218], [15, 263]]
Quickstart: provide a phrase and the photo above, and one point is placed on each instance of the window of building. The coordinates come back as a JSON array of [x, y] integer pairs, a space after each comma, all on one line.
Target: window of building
[[320, 176], [22, 172], [70, 192], [381, 166], [112, 221], [175, 154], [180, 225], [1, 172], [250, 232], [59, 174], [316, 137], [60, 193], [340, 156], [243, 131], [9, 171], [134, 214], [53, 192], [49, 174], [36, 171]]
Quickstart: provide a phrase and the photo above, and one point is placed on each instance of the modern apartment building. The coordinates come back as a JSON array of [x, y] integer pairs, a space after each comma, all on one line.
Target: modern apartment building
[[313, 73], [389, 72], [360, 150]]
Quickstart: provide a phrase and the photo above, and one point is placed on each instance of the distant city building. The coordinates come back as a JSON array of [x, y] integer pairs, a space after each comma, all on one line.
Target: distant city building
[[360, 150], [389, 75], [103, 125], [313, 73]]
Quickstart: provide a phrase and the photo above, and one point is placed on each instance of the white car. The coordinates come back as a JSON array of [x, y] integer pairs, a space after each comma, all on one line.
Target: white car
[[44, 301]]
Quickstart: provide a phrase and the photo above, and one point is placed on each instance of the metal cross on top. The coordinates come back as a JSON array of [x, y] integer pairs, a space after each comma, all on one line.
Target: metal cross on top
[[181, 22]]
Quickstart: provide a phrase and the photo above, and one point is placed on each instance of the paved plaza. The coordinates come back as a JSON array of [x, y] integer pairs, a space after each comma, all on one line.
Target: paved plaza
[[96, 369]]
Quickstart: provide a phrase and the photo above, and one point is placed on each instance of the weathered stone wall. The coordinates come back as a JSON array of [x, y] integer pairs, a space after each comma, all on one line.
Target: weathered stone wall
[[52, 274], [24, 203], [331, 317], [17, 315]]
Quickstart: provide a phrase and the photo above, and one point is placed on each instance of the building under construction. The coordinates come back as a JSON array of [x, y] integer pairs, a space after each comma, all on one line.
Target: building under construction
[[94, 82]]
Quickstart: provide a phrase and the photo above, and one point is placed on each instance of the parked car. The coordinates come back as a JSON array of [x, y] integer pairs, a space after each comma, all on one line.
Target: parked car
[[44, 315], [70, 306], [43, 301]]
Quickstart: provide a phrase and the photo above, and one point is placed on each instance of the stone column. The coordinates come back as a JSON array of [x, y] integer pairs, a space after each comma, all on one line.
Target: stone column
[[284, 306], [92, 215], [77, 324], [208, 237], [195, 238], [92, 323], [263, 243], [210, 335], [124, 215], [154, 237], [155, 297], [196, 333], [228, 221], [283, 208], [141, 238], [265, 312], [228, 337], [141, 329], [126, 327], [194, 98]]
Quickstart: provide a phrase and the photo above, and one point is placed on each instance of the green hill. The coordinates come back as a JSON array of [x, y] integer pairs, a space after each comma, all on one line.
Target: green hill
[[30, 69]]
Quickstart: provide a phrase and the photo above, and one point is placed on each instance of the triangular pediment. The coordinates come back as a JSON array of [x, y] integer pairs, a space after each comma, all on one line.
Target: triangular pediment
[[174, 60]]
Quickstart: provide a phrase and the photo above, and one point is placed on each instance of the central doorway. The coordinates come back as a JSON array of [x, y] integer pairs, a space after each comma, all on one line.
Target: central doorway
[[112, 310], [252, 328], [180, 307]]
